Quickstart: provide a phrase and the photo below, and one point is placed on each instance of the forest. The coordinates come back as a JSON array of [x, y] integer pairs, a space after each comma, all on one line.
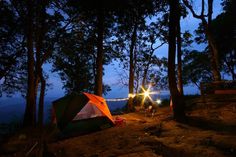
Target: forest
[[78, 38]]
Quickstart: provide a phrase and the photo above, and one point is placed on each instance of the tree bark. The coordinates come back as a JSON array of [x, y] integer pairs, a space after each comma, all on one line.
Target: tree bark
[[136, 71], [147, 68], [212, 46], [213, 52], [30, 110], [177, 99], [99, 59], [145, 76], [40, 32], [179, 55], [41, 100], [131, 67]]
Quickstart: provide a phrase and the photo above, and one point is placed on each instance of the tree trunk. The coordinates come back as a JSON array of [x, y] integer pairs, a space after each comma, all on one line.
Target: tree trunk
[[30, 110], [213, 52], [212, 46], [40, 32], [137, 82], [149, 62], [146, 72], [99, 59], [131, 67], [41, 100], [136, 71], [179, 56], [147, 65], [177, 99], [144, 76]]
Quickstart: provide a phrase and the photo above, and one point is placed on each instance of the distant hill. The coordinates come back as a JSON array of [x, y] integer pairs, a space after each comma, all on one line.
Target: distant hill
[[12, 109]]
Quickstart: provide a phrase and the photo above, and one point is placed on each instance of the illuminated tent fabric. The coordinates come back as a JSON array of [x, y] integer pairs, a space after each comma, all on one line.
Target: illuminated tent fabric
[[81, 113]]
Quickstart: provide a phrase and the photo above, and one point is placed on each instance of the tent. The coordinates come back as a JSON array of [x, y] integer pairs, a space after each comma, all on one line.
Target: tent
[[81, 113]]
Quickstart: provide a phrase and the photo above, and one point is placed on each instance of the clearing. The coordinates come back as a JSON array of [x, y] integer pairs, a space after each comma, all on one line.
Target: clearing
[[209, 131]]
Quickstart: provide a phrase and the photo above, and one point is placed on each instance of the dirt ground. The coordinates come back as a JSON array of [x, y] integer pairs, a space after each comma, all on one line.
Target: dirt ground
[[208, 132]]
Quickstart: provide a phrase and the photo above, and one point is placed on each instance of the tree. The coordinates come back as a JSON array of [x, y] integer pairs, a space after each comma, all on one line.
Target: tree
[[35, 41], [85, 46], [12, 51], [38, 32], [158, 74], [181, 13], [206, 23], [129, 26], [154, 33], [177, 98], [223, 28], [30, 111], [18, 40], [99, 61], [104, 12], [196, 68], [42, 54]]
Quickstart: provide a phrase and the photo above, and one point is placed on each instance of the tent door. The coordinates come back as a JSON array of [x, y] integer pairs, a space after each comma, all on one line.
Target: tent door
[[88, 111]]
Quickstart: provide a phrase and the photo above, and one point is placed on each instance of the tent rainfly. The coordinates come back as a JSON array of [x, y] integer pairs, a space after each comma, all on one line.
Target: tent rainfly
[[79, 114]]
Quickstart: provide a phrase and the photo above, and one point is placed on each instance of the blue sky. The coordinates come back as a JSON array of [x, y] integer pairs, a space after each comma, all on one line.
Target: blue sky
[[110, 77]]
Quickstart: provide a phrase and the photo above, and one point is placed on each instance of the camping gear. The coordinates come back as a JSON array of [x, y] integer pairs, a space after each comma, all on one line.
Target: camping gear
[[119, 121], [81, 113]]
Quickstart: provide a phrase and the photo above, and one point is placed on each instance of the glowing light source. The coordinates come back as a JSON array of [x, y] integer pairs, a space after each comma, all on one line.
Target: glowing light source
[[146, 93], [158, 101], [130, 95]]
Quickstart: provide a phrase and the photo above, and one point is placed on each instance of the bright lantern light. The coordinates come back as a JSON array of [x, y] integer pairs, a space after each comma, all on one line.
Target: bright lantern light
[[146, 93], [130, 95], [158, 101]]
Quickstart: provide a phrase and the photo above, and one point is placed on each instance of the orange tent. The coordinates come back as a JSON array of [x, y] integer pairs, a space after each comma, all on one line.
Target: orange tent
[[81, 113]]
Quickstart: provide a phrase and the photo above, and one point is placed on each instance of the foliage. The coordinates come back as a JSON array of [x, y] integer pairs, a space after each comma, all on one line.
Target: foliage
[[150, 37], [223, 28], [75, 60], [196, 68], [12, 48]]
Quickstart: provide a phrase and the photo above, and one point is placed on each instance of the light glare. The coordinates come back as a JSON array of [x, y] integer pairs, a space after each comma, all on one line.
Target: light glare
[[130, 95], [158, 101], [146, 93]]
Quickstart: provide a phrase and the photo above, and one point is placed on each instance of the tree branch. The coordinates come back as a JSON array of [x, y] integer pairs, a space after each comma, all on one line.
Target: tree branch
[[203, 8], [159, 45], [186, 3]]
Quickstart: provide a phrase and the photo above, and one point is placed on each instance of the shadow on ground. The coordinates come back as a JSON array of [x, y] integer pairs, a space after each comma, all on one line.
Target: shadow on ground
[[215, 125]]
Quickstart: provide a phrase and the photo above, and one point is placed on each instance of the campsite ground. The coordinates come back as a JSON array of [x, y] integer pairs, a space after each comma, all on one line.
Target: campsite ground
[[209, 131]]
